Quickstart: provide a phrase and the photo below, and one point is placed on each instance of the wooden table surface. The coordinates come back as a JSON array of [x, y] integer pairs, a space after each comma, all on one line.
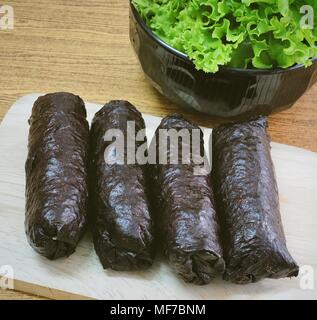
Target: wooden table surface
[[83, 47]]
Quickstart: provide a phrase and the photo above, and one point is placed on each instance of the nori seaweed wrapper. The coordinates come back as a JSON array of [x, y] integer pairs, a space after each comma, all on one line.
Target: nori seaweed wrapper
[[122, 224], [185, 217], [57, 174], [248, 204]]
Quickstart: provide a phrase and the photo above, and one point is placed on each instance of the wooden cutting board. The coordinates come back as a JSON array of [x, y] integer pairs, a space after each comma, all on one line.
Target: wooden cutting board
[[81, 275]]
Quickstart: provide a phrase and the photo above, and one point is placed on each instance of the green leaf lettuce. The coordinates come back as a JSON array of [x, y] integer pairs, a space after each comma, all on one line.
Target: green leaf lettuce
[[261, 34]]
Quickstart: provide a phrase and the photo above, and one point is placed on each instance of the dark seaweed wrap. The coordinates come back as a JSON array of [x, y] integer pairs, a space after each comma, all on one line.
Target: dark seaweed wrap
[[184, 211], [247, 196], [122, 226], [57, 174]]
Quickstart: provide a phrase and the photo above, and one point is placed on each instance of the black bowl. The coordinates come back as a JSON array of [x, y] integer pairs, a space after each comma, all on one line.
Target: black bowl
[[230, 93]]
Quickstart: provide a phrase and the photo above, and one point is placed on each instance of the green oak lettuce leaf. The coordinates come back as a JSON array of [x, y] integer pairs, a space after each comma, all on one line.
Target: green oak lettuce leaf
[[262, 34]]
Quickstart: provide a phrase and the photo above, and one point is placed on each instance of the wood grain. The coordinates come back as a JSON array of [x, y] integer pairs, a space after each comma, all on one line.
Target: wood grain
[[15, 295], [83, 47]]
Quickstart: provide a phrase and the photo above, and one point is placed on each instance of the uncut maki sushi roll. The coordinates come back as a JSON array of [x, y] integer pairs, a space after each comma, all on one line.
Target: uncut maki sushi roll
[[248, 204], [184, 209]]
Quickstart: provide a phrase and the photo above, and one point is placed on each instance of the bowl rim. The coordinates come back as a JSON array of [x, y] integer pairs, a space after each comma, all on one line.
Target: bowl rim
[[184, 57]]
